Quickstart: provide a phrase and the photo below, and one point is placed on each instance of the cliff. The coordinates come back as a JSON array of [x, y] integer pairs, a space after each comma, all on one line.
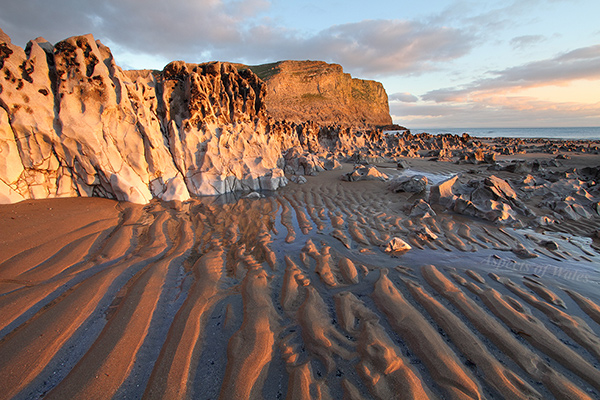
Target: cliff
[[299, 91], [73, 123]]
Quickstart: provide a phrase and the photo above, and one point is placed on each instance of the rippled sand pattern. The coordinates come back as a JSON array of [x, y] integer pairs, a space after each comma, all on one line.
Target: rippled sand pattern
[[289, 296]]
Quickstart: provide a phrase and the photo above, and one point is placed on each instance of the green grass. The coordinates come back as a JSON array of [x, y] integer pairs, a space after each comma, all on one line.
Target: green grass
[[313, 97], [265, 71]]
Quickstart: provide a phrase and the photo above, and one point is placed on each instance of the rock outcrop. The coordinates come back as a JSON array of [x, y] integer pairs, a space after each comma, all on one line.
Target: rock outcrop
[[301, 91], [72, 123], [490, 198]]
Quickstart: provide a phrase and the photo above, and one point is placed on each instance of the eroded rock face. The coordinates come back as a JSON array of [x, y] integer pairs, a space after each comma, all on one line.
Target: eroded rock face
[[72, 123], [301, 91]]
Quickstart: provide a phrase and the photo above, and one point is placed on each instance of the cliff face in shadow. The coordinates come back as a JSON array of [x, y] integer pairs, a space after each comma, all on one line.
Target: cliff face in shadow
[[300, 91]]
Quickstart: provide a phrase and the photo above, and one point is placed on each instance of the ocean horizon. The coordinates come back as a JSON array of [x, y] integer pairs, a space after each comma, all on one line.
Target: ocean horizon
[[589, 133]]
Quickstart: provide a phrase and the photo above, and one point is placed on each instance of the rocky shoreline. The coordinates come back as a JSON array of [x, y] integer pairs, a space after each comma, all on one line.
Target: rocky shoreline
[[72, 123]]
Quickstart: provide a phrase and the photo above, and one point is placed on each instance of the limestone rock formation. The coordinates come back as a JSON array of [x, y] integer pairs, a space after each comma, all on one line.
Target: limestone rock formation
[[72, 123], [299, 91]]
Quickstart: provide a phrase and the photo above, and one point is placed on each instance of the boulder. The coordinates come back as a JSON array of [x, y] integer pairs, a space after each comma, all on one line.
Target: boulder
[[443, 193], [412, 184], [331, 163], [368, 173], [397, 245], [490, 198], [518, 167], [402, 164], [421, 209], [299, 179]]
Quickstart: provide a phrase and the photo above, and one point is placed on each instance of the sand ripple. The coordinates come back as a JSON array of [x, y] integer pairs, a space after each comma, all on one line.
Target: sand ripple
[[287, 296]]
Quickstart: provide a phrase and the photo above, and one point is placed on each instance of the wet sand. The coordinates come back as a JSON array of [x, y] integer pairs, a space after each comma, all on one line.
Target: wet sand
[[293, 296]]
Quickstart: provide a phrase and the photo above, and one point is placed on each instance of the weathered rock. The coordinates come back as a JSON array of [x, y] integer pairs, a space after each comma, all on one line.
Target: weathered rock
[[421, 209], [489, 158], [402, 164], [518, 167], [331, 163], [443, 193], [413, 184], [425, 233], [299, 179], [522, 252], [490, 198], [397, 245], [478, 157], [299, 162], [75, 124], [368, 173]]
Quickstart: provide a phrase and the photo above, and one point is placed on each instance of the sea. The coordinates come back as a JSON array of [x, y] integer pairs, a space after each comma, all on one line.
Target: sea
[[590, 133]]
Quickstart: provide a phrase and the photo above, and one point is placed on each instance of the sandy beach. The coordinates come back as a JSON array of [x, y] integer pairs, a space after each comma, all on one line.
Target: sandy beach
[[293, 295]]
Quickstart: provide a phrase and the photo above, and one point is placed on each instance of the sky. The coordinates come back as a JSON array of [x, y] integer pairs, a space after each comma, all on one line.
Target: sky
[[443, 63]]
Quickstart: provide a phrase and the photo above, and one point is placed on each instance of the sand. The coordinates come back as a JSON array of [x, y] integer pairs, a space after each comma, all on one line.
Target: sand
[[293, 296]]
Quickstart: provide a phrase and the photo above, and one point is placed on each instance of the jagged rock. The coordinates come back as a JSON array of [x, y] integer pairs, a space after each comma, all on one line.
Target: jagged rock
[[424, 233], [545, 220], [444, 155], [331, 164], [299, 162], [589, 173], [518, 167], [413, 184], [500, 188], [489, 158], [491, 198], [478, 157], [571, 209], [76, 124], [402, 164], [368, 173], [299, 179], [443, 193], [421, 209], [397, 245]]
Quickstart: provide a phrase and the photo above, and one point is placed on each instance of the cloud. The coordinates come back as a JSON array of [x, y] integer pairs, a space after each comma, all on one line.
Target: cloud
[[240, 31], [523, 42], [171, 29], [501, 112], [582, 63], [390, 47], [403, 97]]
